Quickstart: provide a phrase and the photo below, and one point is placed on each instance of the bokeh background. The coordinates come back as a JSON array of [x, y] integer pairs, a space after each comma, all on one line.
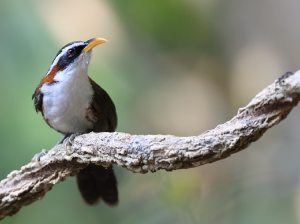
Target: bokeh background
[[176, 67]]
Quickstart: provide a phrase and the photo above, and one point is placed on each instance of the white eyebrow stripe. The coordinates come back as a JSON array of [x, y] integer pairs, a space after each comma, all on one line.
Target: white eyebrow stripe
[[63, 51]]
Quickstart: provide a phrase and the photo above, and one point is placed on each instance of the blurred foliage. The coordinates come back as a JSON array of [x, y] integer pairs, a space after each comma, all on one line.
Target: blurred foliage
[[171, 67], [170, 24]]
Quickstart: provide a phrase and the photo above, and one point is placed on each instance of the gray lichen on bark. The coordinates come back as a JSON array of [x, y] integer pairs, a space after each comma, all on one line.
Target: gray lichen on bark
[[143, 153]]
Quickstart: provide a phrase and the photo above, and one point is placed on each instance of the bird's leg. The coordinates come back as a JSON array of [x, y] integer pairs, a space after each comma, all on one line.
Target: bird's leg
[[37, 157], [62, 140], [68, 141]]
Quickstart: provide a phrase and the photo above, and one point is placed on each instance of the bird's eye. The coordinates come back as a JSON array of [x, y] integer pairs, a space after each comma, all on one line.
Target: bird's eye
[[71, 52]]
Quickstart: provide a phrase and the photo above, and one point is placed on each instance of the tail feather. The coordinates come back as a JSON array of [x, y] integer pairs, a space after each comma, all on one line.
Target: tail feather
[[96, 182]]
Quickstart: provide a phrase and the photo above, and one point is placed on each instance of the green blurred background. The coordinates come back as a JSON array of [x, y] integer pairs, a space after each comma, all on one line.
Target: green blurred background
[[176, 67]]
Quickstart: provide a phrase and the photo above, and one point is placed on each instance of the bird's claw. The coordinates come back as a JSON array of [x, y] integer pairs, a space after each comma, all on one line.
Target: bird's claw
[[66, 143], [69, 141], [37, 157]]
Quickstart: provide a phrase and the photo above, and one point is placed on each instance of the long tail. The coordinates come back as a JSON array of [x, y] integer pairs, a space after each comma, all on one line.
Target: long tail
[[96, 182]]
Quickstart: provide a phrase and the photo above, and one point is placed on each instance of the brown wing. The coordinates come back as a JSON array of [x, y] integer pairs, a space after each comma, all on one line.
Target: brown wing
[[38, 100], [105, 110], [95, 182]]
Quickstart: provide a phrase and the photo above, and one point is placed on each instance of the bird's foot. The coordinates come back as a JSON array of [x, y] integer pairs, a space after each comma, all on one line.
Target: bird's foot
[[37, 157], [68, 142]]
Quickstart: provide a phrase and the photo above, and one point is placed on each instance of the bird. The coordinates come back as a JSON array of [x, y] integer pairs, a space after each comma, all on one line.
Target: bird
[[73, 104]]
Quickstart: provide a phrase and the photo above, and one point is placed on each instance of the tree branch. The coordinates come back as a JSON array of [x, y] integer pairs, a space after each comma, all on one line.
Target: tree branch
[[143, 153]]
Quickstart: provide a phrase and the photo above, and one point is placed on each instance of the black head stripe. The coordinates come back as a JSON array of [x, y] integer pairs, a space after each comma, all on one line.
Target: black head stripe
[[66, 60], [67, 45], [62, 59]]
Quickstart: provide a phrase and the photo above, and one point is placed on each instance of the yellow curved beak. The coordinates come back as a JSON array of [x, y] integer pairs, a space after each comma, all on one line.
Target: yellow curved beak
[[93, 43]]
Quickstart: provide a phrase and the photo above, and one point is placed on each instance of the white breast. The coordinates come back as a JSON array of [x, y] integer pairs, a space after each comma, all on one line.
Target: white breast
[[66, 102]]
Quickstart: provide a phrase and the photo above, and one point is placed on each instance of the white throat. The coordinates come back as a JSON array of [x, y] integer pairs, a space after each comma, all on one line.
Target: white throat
[[65, 102]]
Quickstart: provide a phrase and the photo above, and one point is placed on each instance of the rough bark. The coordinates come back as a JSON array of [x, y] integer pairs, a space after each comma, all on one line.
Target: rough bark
[[143, 153]]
